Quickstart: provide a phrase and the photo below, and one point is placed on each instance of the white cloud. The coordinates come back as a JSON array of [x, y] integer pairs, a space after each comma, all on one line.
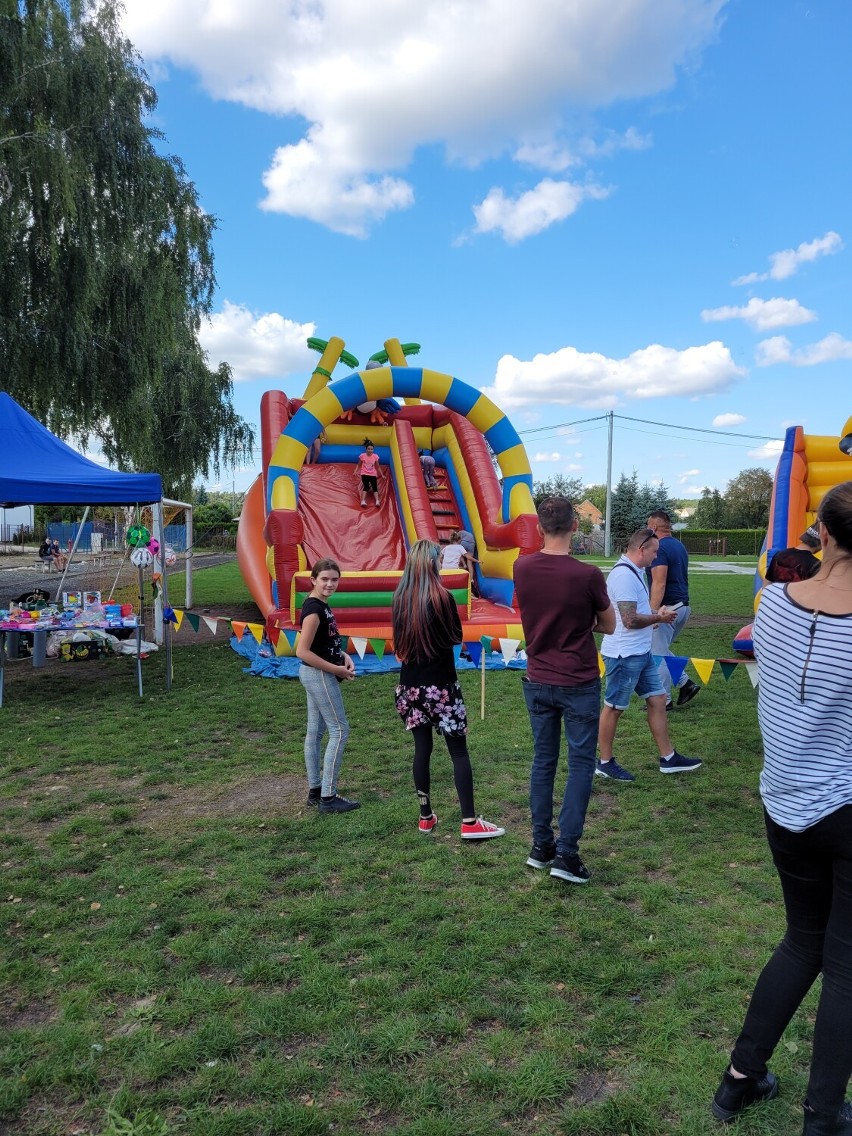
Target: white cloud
[[763, 315], [257, 346], [687, 475], [786, 263], [695, 490], [728, 420], [544, 457], [367, 85], [769, 451], [532, 212], [779, 349], [572, 378]]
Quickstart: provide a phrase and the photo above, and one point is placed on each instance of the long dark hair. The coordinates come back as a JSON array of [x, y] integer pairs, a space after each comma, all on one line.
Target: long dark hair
[[835, 512], [422, 613]]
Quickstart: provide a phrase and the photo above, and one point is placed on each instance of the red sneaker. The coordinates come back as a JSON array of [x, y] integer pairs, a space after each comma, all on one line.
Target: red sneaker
[[480, 830], [428, 823]]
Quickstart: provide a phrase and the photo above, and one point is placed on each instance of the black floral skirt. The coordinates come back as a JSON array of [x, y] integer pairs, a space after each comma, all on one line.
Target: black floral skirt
[[442, 708]]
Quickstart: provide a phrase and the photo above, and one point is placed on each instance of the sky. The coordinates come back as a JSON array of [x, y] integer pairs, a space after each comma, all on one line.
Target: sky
[[575, 206]]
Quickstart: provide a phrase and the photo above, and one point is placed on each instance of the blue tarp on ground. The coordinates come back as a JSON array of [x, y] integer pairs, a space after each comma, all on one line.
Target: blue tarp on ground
[[265, 663], [37, 468]]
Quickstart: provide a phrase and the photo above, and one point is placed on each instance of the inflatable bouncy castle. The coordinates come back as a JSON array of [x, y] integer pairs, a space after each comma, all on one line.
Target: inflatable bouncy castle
[[808, 467], [305, 504]]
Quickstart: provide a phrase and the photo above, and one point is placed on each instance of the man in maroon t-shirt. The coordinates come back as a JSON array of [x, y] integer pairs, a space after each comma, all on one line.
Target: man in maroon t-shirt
[[562, 602]]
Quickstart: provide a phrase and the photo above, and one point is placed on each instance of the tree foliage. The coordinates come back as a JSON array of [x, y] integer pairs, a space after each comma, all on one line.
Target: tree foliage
[[747, 498], [632, 503], [559, 486], [106, 252]]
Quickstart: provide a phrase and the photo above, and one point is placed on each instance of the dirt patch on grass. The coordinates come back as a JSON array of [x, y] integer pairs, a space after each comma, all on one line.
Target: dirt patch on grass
[[14, 1017]]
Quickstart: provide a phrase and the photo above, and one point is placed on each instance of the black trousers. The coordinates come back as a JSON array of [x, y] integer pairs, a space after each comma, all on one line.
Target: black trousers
[[462, 772], [815, 867]]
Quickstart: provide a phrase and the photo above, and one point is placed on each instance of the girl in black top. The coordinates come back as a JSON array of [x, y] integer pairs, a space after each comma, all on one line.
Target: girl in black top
[[426, 626], [324, 666]]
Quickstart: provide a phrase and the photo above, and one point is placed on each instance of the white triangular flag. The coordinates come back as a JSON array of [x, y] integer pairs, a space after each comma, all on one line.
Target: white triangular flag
[[212, 624], [751, 668], [509, 647], [360, 646]]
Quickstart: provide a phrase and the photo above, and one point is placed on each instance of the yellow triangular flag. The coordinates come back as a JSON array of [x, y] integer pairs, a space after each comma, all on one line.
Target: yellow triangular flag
[[704, 668], [282, 647], [178, 618], [601, 665], [257, 630], [360, 646]]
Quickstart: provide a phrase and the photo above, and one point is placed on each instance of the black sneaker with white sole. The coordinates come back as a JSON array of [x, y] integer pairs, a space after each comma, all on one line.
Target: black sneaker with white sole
[[687, 692], [541, 858], [570, 868]]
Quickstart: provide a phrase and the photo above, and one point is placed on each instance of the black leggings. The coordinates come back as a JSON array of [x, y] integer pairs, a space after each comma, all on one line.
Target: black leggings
[[815, 867], [462, 772]]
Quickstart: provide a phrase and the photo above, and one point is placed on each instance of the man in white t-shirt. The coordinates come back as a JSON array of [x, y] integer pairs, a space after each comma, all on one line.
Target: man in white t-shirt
[[629, 662]]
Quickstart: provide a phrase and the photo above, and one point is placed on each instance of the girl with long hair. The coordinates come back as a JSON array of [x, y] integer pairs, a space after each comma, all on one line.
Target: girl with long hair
[[803, 644], [324, 666], [426, 626]]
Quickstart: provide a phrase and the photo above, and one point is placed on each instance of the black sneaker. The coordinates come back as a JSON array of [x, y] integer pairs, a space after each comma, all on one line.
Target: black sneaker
[[677, 763], [570, 868], [735, 1094], [687, 692], [541, 857], [338, 804], [314, 797], [818, 1124]]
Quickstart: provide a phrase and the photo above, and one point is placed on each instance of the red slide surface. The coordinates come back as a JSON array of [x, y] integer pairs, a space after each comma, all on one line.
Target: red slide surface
[[360, 540]]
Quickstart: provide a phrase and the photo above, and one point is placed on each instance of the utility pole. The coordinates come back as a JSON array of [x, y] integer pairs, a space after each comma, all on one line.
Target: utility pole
[[608, 521]]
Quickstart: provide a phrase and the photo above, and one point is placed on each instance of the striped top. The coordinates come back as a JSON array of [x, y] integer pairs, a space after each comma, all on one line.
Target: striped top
[[804, 707]]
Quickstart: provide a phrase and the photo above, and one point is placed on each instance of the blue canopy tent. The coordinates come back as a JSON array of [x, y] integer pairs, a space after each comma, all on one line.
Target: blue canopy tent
[[37, 468]]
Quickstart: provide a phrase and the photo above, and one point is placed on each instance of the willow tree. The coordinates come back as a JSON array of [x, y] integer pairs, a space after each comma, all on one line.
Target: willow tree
[[107, 265]]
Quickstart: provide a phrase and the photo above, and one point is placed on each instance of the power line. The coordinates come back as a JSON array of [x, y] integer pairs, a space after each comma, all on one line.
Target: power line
[[707, 441], [698, 429]]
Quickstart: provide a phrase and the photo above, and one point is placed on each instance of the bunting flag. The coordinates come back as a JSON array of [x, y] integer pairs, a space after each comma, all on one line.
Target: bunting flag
[[601, 665], [676, 665], [359, 645], [238, 628], [751, 668], [257, 631], [178, 619], [378, 646], [485, 640], [509, 648], [704, 668], [728, 667], [475, 652], [194, 621], [212, 624], [657, 660]]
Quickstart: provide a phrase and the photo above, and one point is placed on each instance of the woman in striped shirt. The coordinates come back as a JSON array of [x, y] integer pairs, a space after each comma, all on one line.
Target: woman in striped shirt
[[803, 644]]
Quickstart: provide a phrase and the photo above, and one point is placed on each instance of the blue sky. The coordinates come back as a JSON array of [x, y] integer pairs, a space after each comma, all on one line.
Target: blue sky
[[639, 205]]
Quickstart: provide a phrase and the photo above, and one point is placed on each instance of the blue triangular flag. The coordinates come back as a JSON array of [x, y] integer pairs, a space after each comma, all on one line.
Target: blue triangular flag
[[676, 665], [475, 652]]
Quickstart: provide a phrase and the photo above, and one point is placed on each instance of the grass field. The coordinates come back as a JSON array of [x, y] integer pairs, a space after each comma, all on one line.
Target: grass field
[[187, 949]]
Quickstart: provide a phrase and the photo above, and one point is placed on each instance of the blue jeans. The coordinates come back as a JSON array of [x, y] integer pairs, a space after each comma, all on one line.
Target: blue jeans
[[325, 713], [577, 709], [661, 644]]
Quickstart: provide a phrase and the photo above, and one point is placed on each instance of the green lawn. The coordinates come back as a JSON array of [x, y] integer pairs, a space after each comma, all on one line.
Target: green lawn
[[188, 949]]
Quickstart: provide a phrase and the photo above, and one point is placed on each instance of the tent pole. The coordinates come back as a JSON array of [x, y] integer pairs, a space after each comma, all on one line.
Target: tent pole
[[163, 628], [71, 553]]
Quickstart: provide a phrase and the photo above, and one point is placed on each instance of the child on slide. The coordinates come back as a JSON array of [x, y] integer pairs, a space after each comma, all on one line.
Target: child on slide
[[367, 468]]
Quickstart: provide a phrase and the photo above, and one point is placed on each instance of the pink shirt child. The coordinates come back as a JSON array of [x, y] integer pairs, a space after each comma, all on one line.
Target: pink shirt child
[[369, 464]]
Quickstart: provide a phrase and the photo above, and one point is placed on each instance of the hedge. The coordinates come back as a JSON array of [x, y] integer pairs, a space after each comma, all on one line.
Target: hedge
[[722, 542]]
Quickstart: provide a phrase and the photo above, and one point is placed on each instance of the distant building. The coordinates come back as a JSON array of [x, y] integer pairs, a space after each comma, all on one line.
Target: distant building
[[590, 513]]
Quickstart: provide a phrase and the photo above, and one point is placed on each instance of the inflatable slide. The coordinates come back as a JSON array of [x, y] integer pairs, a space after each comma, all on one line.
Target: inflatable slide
[[808, 467], [299, 510]]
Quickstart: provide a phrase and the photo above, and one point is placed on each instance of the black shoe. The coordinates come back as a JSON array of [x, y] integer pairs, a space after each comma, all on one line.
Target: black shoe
[[818, 1124], [570, 868], [687, 692], [338, 804], [314, 797], [735, 1094], [540, 857], [669, 706]]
